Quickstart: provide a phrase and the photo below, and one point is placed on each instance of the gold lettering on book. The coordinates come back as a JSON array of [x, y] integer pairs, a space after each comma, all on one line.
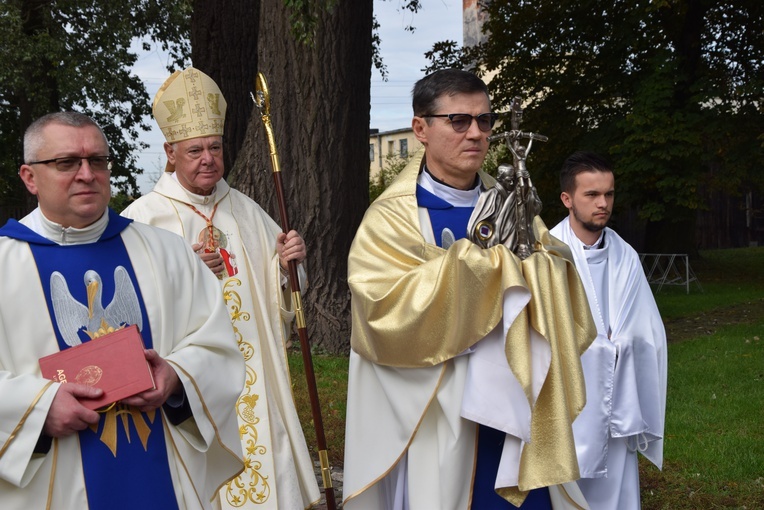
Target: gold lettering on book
[[89, 375]]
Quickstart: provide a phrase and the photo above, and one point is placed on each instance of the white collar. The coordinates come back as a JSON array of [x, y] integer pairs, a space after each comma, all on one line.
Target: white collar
[[596, 245], [38, 223], [455, 197]]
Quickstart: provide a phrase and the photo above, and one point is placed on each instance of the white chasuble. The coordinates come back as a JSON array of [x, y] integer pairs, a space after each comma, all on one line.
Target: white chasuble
[[278, 470], [189, 330], [255, 484], [408, 444]]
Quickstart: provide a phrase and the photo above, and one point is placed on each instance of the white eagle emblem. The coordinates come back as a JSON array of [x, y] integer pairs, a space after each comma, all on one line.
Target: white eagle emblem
[[72, 316]]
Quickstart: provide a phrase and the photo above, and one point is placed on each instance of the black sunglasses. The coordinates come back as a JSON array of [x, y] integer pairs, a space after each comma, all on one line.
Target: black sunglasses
[[461, 122]]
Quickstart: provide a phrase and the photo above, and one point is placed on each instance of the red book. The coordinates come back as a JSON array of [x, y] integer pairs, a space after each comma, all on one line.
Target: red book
[[114, 362]]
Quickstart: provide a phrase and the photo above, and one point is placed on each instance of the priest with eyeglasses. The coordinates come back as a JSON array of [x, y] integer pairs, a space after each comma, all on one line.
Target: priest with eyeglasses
[[465, 372], [74, 271]]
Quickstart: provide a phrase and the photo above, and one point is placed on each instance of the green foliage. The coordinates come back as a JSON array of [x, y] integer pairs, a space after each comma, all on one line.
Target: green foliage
[[376, 57], [303, 18], [446, 55], [392, 166], [394, 163], [497, 155], [75, 55], [672, 91], [120, 201]]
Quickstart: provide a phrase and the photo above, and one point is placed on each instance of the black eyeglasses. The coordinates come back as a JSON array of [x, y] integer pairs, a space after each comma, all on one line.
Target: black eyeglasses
[[461, 122], [71, 164]]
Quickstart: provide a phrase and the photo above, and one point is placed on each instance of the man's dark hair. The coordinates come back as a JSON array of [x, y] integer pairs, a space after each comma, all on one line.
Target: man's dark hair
[[450, 82], [578, 162]]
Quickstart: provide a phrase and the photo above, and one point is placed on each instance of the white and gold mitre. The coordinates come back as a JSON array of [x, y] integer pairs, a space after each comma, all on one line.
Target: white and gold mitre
[[189, 104]]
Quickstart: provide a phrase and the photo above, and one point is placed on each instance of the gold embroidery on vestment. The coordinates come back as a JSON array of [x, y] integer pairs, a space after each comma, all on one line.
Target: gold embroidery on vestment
[[251, 484], [213, 101], [140, 420]]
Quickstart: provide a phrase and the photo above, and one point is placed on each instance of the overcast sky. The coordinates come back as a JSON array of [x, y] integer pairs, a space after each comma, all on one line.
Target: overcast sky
[[402, 51]]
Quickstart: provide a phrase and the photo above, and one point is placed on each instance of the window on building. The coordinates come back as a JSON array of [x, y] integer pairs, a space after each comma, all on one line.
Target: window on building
[[390, 147], [404, 146], [371, 152]]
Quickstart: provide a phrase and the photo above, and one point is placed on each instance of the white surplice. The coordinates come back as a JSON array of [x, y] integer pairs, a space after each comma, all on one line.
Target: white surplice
[[625, 369]]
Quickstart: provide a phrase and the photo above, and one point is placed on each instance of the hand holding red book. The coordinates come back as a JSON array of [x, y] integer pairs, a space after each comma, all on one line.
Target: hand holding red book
[[115, 363]]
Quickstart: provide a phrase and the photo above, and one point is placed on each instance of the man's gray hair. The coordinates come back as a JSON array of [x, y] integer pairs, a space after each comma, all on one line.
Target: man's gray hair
[[33, 139]]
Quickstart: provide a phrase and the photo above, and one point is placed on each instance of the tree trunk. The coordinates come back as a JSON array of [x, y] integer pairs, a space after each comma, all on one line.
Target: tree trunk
[[676, 232], [34, 102], [320, 98], [224, 46]]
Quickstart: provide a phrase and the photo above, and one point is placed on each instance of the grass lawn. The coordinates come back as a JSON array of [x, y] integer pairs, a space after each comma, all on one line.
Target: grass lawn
[[332, 382], [714, 447]]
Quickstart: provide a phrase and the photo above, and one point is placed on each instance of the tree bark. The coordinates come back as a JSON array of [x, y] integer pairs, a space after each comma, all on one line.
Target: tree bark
[[320, 98], [224, 46], [33, 102]]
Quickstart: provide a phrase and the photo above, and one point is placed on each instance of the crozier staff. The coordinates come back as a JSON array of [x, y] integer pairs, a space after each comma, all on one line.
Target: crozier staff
[[250, 254], [262, 101]]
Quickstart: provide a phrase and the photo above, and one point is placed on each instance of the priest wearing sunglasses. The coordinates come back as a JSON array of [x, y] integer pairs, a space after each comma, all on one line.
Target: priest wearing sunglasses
[[460, 393]]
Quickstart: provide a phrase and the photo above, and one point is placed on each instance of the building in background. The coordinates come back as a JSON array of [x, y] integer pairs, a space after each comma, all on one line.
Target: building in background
[[387, 146], [473, 18]]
